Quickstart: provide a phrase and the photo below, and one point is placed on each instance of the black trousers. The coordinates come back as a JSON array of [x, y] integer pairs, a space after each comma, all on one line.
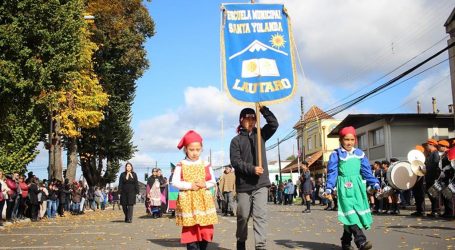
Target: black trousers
[[353, 230], [128, 211], [61, 208], [419, 195], [9, 208], [34, 208]]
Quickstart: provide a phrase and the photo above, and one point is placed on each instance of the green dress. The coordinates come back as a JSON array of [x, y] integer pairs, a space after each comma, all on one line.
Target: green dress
[[353, 207]]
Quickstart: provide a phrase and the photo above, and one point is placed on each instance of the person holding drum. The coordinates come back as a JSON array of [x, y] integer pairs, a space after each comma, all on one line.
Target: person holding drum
[[347, 168], [394, 197], [432, 174], [447, 178], [418, 190], [379, 173]]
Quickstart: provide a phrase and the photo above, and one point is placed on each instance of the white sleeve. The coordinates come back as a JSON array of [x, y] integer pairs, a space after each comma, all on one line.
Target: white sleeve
[[211, 183], [176, 182]]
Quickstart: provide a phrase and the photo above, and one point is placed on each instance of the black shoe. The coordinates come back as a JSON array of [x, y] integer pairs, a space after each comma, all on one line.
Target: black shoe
[[433, 215], [241, 245], [417, 214], [365, 246], [231, 213], [306, 211]]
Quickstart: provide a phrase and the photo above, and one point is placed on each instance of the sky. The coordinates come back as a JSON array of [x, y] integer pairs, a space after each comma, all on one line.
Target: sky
[[345, 48]]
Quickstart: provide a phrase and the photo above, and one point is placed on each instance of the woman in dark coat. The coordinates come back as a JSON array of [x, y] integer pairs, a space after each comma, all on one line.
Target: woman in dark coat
[[128, 188], [33, 192], [307, 186]]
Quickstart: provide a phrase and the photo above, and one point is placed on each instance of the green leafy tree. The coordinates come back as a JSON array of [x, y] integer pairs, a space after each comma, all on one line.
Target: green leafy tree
[[121, 29]]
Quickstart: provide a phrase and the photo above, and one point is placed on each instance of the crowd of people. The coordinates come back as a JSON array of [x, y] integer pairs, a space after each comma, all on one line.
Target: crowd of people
[[28, 197]]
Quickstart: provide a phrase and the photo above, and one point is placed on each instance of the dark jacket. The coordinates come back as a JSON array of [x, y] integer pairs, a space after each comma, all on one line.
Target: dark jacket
[[307, 185], [432, 166], [33, 194], [244, 159], [63, 193], [128, 189]]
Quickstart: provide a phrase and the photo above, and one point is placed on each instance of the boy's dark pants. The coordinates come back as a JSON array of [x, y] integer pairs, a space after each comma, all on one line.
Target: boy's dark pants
[[348, 232]]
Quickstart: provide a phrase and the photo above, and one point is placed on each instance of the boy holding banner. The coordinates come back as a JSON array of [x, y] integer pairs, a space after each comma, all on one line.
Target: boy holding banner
[[252, 181]]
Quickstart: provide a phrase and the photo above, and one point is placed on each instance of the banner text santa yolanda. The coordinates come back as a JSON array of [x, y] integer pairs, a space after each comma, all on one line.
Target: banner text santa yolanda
[[256, 27], [257, 53]]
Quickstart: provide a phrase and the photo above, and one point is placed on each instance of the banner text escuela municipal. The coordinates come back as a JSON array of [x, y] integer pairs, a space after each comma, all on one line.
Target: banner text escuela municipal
[[257, 55]]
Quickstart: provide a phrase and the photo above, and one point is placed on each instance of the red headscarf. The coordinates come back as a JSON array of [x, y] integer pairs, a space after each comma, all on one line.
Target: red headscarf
[[347, 130], [190, 137]]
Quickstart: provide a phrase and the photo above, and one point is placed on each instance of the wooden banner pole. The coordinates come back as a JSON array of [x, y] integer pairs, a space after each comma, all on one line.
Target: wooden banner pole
[[259, 136]]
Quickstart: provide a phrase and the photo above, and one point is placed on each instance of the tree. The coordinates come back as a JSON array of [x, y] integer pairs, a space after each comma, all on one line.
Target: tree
[[81, 105], [39, 43], [120, 30], [291, 158]]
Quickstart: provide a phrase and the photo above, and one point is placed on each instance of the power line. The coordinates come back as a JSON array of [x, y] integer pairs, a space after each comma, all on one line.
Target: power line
[[377, 90]]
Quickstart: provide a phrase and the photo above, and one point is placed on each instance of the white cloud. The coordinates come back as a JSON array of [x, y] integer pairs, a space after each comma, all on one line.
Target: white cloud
[[202, 110], [343, 42]]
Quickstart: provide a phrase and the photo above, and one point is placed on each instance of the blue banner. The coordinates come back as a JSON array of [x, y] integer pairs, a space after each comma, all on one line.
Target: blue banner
[[257, 54]]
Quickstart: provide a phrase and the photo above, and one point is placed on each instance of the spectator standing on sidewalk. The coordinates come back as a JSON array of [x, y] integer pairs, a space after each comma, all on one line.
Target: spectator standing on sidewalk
[[227, 187]]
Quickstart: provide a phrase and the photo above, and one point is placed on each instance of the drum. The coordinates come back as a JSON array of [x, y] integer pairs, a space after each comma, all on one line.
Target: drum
[[400, 176], [386, 192], [436, 189], [448, 191], [370, 190]]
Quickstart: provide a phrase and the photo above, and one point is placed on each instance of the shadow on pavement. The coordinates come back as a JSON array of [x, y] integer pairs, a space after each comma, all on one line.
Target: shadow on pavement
[[306, 244], [175, 242], [423, 227], [118, 221]]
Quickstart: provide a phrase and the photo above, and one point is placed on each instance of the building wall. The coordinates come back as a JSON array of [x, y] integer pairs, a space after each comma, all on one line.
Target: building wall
[[329, 143], [400, 136]]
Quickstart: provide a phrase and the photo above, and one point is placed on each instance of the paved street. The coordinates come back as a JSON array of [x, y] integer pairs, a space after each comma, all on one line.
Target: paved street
[[288, 229]]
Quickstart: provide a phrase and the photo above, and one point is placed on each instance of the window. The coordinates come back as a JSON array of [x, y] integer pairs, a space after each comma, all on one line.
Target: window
[[310, 143], [378, 137], [362, 141]]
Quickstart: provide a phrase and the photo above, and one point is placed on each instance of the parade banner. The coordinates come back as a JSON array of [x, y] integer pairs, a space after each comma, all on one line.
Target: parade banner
[[257, 54]]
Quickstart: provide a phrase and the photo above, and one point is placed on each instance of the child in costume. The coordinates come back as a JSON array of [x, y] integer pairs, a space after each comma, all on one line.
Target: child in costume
[[195, 210], [348, 167]]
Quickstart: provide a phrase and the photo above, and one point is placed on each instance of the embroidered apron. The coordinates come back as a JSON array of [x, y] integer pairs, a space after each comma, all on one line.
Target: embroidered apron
[[353, 207], [195, 207]]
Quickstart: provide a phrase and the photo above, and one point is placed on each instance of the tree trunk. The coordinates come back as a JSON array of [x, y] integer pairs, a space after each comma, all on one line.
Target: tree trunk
[[58, 168], [50, 168], [71, 159]]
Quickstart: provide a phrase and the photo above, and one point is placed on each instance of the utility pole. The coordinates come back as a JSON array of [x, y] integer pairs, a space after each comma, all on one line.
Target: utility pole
[[450, 29], [302, 131], [210, 157], [279, 158]]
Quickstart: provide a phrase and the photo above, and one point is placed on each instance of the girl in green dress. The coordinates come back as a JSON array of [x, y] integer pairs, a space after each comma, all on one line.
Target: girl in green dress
[[347, 170]]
